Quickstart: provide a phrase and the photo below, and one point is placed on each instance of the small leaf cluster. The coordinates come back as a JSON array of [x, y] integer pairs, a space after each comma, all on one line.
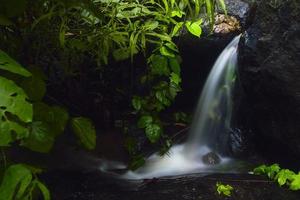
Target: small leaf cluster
[[282, 176], [225, 190]]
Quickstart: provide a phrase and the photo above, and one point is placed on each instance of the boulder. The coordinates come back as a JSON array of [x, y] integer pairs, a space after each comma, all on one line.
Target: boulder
[[211, 158], [269, 74]]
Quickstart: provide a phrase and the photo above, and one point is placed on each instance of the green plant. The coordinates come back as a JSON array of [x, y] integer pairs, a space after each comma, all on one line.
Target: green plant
[[118, 30], [21, 182], [26, 120], [282, 176], [225, 190]]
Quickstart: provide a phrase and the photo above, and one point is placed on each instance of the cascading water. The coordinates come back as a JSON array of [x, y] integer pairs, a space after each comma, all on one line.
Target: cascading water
[[212, 119]]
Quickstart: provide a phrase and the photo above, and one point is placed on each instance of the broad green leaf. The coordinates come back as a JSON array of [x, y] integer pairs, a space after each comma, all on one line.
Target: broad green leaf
[[145, 121], [40, 138], [151, 25], [35, 86], [194, 28], [54, 116], [13, 101], [44, 190], [136, 103], [85, 132], [295, 183], [11, 131], [153, 132], [159, 65], [161, 95], [15, 182], [9, 64]]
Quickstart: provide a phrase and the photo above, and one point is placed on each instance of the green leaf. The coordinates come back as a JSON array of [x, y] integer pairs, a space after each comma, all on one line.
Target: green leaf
[[54, 116], [177, 13], [35, 86], [122, 54], [13, 101], [8, 129], [159, 65], [225, 190], [145, 121], [261, 170], [44, 190], [175, 65], [15, 182], [175, 78], [295, 184], [283, 176], [40, 138], [172, 46], [151, 25], [223, 6], [85, 132], [136, 103], [153, 132], [194, 27], [9, 64], [176, 29], [166, 52], [272, 170], [210, 10]]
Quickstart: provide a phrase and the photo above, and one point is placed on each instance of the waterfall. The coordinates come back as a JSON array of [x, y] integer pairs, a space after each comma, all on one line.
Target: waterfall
[[211, 120]]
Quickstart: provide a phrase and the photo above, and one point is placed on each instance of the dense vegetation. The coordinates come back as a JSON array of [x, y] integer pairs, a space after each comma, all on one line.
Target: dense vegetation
[[60, 42]]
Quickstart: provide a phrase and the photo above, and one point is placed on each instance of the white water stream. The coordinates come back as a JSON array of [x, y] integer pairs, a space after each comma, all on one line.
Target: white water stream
[[211, 120]]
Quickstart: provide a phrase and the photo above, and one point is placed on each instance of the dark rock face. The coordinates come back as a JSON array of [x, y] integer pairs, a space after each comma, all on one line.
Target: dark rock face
[[269, 69]]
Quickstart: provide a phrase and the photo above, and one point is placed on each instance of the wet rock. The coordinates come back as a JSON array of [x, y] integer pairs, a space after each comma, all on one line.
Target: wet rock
[[270, 75], [93, 186], [239, 9], [211, 158]]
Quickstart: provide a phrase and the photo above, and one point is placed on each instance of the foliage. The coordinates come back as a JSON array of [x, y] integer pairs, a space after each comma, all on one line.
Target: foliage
[[85, 131], [225, 190], [20, 182], [282, 176], [31, 123], [102, 30]]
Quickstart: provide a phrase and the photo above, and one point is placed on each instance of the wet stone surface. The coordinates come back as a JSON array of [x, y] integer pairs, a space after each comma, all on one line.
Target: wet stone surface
[[211, 158], [94, 186]]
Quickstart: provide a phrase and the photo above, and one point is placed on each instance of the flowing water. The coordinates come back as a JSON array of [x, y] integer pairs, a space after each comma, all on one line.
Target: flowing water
[[211, 121]]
